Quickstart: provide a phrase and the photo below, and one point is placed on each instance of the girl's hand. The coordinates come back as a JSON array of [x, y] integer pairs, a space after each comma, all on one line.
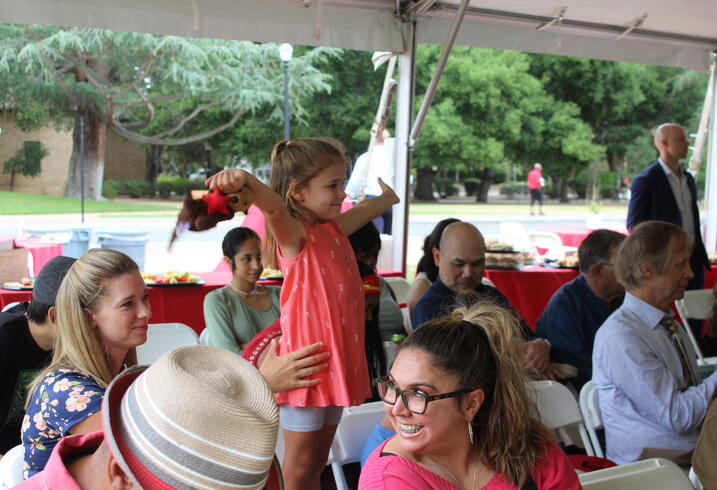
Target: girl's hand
[[388, 192], [227, 181], [287, 372]]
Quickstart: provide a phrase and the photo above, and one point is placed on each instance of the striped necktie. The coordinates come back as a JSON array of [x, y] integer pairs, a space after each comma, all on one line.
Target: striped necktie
[[674, 333]]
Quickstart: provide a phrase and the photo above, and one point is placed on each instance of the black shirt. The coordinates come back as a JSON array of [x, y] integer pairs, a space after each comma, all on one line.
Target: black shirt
[[21, 359]]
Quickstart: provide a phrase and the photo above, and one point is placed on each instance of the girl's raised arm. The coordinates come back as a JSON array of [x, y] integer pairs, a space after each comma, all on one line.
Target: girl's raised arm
[[368, 209], [288, 231]]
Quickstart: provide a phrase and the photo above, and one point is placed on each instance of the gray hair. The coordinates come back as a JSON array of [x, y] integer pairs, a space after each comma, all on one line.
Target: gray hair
[[648, 246], [597, 248]]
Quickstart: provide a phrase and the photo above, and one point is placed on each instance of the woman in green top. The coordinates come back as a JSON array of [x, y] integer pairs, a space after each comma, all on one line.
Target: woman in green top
[[235, 313]]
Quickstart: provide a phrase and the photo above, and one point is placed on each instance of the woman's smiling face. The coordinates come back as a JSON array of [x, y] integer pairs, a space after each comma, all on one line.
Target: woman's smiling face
[[437, 429]]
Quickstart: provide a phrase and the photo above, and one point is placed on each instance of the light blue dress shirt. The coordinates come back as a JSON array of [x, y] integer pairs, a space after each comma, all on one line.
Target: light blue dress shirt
[[638, 374]]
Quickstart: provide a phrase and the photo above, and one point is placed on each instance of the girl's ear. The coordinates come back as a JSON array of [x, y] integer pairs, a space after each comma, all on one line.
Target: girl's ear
[[296, 191], [90, 318]]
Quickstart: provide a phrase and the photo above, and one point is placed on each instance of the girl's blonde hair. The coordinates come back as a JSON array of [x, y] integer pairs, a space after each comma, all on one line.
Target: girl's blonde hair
[[482, 347], [78, 346], [293, 164]]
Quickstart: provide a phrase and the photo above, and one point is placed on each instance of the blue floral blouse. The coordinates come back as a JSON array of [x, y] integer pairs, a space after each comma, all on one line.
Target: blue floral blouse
[[64, 399]]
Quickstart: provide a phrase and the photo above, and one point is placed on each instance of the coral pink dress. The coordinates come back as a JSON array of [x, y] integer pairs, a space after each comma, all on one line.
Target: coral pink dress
[[322, 300]]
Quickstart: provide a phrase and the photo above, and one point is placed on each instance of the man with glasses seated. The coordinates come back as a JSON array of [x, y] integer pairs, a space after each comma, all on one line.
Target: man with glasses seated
[[578, 308]]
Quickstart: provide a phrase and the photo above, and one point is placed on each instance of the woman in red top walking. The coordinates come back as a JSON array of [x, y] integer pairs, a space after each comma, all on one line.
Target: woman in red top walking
[[322, 296]]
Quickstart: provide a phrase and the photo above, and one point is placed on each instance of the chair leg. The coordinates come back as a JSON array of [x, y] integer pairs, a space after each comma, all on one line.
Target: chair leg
[[339, 476]]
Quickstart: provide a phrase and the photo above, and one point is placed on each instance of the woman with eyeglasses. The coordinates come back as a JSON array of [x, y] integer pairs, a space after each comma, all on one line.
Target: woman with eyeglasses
[[457, 398]]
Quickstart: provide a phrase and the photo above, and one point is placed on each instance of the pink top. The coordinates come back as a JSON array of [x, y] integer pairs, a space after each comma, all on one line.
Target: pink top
[[534, 179], [391, 472], [322, 300]]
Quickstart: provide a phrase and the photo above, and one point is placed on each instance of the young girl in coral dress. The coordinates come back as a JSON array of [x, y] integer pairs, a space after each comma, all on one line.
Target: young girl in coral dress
[[322, 296]]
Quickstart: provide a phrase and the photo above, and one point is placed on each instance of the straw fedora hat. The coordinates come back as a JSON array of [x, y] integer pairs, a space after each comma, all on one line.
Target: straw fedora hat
[[198, 417]]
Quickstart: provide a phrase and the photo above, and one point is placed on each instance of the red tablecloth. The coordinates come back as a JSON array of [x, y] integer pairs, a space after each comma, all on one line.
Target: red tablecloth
[[530, 288], [42, 253], [573, 236]]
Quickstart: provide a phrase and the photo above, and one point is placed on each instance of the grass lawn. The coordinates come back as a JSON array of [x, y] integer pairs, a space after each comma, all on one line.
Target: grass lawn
[[453, 209], [20, 203]]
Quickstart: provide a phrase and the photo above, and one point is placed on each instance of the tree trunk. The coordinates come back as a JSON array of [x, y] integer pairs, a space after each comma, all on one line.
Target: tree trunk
[[424, 185], [154, 163], [562, 184], [616, 162], [486, 179], [94, 159], [12, 178]]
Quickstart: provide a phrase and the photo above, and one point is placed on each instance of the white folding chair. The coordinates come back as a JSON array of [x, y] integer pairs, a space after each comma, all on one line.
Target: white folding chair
[[696, 304], [8, 306], [163, 337], [11, 467], [204, 337], [650, 474], [399, 286], [694, 479], [351, 434], [559, 410], [406, 320], [592, 418], [514, 233], [545, 239]]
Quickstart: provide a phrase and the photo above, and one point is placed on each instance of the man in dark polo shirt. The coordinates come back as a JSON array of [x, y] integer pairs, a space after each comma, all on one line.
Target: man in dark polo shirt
[[27, 335]]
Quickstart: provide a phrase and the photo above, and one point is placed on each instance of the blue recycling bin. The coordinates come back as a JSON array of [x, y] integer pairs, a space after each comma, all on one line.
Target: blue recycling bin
[[79, 237], [132, 243]]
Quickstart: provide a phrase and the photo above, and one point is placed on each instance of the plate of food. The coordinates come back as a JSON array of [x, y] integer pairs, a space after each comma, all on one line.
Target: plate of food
[[498, 246], [567, 262], [713, 257], [171, 278], [503, 260], [271, 274], [24, 284]]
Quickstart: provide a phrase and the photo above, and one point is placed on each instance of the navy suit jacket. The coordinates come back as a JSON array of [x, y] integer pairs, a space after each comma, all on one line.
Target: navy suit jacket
[[652, 199]]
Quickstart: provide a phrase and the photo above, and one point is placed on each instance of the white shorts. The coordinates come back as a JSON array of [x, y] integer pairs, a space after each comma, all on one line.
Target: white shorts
[[308, 419]]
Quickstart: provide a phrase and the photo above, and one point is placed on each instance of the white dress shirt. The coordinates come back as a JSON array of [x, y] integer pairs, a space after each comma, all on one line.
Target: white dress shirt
[[683, 196]]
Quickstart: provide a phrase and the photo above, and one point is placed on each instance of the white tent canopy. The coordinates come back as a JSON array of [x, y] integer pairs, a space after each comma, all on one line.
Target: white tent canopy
[[662, 32]]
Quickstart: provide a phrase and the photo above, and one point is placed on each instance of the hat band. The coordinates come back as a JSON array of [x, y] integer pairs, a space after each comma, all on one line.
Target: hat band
[[138, 428]]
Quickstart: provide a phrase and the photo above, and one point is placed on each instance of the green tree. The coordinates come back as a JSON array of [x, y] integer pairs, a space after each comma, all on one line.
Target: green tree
[[26, 161], [488, 110], [150, 89]]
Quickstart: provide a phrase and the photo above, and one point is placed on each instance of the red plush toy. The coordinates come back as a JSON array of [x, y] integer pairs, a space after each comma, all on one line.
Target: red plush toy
[[202, 210]]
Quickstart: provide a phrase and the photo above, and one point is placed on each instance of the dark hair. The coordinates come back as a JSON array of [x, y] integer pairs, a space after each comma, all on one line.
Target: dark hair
[[596, 248], [234, 239], [36, 312], [365, 238], [481, 346], [373, 343], [427, 264]]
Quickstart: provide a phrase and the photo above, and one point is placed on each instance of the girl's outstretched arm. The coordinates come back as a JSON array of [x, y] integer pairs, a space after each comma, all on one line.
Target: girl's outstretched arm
[[368, 209], [288, 231]]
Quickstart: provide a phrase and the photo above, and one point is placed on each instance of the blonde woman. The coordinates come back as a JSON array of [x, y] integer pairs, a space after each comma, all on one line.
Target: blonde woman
[[102, 315], [457, 397]]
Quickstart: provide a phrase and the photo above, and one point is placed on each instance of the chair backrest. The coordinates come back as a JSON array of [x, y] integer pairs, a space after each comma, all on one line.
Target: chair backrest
[[11, 467], [8, 306], [163, 337], [695, 304], [559, 410], [545, 239], [514, 233], [204, 337], [592, 418], [399, 286], [651, 474], [406, 320], [353, 430]]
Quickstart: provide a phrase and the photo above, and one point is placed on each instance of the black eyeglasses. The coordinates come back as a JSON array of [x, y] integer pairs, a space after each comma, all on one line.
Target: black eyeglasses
[[415, 401]]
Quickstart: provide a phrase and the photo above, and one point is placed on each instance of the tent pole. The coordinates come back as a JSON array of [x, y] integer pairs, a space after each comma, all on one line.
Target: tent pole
[[710, 235], [702, 128], [431, 90], [402, 157]]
